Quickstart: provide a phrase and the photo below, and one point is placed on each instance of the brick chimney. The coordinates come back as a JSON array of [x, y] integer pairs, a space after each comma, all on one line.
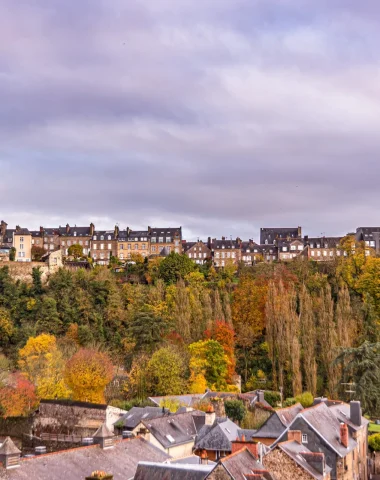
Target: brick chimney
[[299, 232], [295, 435], [315, 460], [355, 413], [92, 229], [3, 227], [210, 415], [67, 228], [344, 435], [116, 232], [241, 443]]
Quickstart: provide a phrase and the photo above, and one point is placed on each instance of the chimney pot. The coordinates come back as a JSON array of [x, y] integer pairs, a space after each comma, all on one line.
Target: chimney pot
[[295, 435], [344, 435]]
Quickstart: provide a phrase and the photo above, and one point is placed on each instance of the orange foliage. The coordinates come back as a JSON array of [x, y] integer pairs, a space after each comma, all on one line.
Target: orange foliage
[[18, 398], [88, 373], [225, 335]]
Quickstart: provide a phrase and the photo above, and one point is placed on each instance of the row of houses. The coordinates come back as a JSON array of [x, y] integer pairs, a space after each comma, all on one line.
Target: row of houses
[[327, 441], [282, 244]]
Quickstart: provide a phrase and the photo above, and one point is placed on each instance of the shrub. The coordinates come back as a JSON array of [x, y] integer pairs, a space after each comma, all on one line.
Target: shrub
[[374, 442], [289, 402], [235, 410], [273, 398], [306, 399]]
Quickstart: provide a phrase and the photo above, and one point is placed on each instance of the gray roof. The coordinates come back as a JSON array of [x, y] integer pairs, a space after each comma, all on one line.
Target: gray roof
[[170, 471], [8, 447], [277, 423], [191, 459], [103, 432], [217, 436], [78, 463], [174, 429], [241, 463], [295, 450], [342, 413], [136, 414]]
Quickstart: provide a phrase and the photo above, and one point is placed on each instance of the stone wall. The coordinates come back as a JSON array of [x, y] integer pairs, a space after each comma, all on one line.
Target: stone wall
[[15, 426], [281, 466], [23, 270]]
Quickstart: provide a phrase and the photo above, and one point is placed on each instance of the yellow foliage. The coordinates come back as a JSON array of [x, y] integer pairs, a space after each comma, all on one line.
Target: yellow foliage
[[6, 326], [198, 383]]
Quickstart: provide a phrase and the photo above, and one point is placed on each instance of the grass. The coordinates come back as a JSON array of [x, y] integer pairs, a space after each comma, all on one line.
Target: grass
[[373, 428]]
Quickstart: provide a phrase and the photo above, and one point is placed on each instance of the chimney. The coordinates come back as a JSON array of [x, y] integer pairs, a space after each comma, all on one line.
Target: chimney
[[315, 460], [295, 435], [223, 238], [344, 435], [204, 458], [260, 396], [250, 445], [210, 416], [18, 228], [299, 232], [92, 229], [306, 238], [116, 231], [104, 437], [3, 227], [355, 413], [42, 230], [67, 228], [9, 454]]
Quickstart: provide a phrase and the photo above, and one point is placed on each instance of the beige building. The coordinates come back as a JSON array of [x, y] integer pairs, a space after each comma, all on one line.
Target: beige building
[[169, 239], [22, 242], [131, 242], [76, 236], [226, 252]]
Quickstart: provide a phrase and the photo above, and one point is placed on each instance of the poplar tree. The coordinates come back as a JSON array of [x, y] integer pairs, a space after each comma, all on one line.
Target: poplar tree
[[308, 340]]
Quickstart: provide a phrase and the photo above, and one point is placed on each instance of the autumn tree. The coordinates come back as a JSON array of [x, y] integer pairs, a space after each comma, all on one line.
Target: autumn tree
[[75, 251], [41, 362], [175, 267], [308, 339], [345, 323], [208, 361], [18, 397], [87, 373], [166, 373], [225, 335]]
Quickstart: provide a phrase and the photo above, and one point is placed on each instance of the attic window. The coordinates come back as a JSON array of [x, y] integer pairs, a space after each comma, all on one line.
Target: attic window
[[145, 415], [228, 431], [304, 438], [129, 416], [170, 438], [75, 234]]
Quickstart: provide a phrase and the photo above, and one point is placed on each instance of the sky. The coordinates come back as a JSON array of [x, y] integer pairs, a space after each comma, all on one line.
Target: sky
[[222, 116]]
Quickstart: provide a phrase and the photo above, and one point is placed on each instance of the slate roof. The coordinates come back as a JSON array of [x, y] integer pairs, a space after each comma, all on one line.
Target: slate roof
[[80, 231], [217, 436], [191, 459], [270, 234], [241, 463], [342, 413], [170, 471], [294, 450], [78, 463], [277, 423], [105, 234], [324, 242], [22, 231], [137, 414], [103, 432], [187, 400], [226, 244], [173, 430], [8, 447]]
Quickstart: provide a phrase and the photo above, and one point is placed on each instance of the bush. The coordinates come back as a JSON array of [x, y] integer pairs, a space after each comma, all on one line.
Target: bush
[[235, 410], [273, 398], [374, 442], [306, 399], [289, 402]]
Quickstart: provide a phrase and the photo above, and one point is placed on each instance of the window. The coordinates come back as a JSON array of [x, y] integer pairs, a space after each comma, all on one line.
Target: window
[[102, 255], [143, 246], [331, 253], [136, 246], [170, 438], [80, 243], [129, 246], [110, 246], [216, 254], [68, 243], [121, 256], [136, 239], [51, 247], [304, 438], [189, 255], [153, 249], [300, 247], [312, 253], [94, 237], [153, 240], [293, 247], [204, 255], [161, 239], [338, 253], [169, 239], [109, 237], [94, 256], [121, 246], [102, 237], [168, 249], [21, 246], [319, 253], [94, 245], [324, 253], [233, 254], [102, 246], [284, 249]]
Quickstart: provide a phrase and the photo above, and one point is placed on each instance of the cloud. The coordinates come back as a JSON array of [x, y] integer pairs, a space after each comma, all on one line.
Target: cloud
[[218, 116]]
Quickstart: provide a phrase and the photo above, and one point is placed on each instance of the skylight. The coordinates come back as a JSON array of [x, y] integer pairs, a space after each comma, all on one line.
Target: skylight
[[129, 416], [145, 415], [170, 438]]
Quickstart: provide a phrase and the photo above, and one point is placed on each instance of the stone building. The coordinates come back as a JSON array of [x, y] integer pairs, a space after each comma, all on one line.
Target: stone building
[[76, 236], [169, 239], [22, 243], [225, 251], [103, 245], [132, 242], [198, 251]]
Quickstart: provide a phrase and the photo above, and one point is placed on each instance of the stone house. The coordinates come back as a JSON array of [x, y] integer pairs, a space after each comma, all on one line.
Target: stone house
[[169, 239], [370, 236], [324, 248], [290, 249], [225, 252], [251, 253], [198, 251], [76, 236], [132, 242], [22, 243], [337, 430], [103, 245], [271, 236]]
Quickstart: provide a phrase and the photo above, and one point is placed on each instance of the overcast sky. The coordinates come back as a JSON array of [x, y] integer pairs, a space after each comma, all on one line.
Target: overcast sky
[[222, 116]]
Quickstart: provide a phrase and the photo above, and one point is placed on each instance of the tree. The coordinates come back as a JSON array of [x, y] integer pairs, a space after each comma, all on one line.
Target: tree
[[171, 404], [37, 253], [76, 251], [166, 373], [6, 326], [308, 340], [368, 282], [207, 359], [88, 373], [37, 282], [306, 399], [18, 398], [361, 365], [175, 267], [374, 442], [147, 330], [235, 410], [41, 362], [225, 335], [12, 254]]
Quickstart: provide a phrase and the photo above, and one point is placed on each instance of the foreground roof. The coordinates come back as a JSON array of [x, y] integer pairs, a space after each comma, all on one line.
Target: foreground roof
[[217, 436], [137, 414], [170, 471], [78, 463], [243, 463]]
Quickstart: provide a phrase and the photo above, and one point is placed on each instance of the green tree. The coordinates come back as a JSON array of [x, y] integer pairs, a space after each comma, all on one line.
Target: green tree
[[374, 442], [76, 251], [147, 330], [235, 410], [166, 373], [12, 254], [306, 399], [361, 365], [175, 267]]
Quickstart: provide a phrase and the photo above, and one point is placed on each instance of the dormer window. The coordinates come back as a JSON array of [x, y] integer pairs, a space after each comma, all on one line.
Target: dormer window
[[102, 237], [109, 237], [284, 249], [94, 237], [75, 234], [266, 242]]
